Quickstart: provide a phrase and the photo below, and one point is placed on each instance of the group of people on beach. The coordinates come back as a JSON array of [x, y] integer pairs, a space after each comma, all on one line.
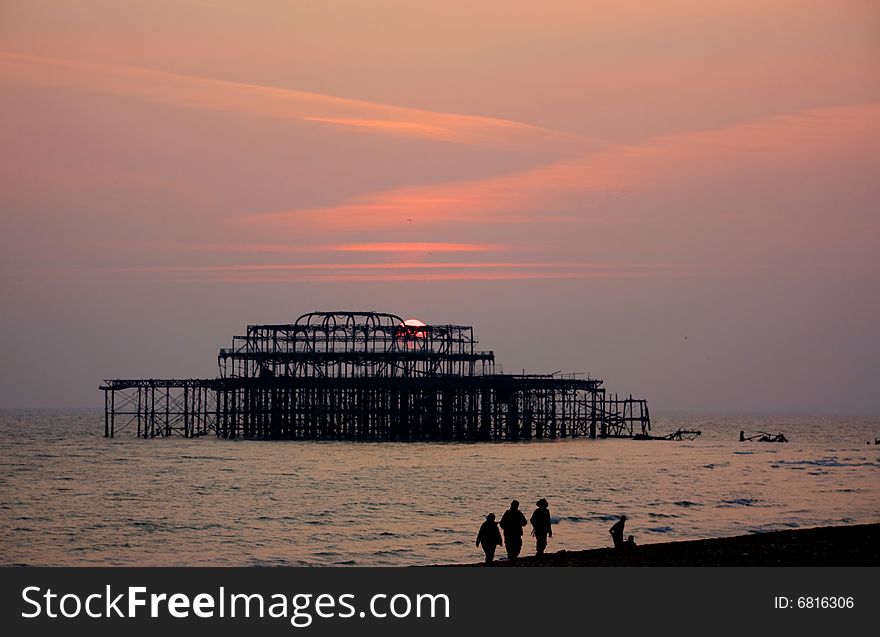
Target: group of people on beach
[[513, 522]]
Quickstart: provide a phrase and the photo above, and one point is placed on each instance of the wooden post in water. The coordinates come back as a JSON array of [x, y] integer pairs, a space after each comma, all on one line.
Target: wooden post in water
[[106, 415]]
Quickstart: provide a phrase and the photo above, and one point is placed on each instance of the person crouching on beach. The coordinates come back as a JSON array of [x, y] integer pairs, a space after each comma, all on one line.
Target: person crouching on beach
[[512, 523], [616, 532], [541, 528], [489, 536]]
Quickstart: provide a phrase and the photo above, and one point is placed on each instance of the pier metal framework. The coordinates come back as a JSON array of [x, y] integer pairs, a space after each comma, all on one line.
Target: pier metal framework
[[367, 376]]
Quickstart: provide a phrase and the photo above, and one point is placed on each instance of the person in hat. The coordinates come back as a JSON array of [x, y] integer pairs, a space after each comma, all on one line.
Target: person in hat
[[541, 528], [490, 537], [512, 523]]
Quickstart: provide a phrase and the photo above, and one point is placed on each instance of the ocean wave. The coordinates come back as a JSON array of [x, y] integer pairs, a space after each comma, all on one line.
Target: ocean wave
[[200, 527], [746, 502], [769, 528], [275, 562], [827, 462], [189, 457], [150, 527], [439, 544]]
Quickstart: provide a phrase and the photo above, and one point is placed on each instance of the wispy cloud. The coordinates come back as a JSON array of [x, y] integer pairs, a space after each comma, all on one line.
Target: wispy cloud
[[266, 101], [521, 198], [397, 247], [375, 277], [404, 271], [406, 247], [557, 192]]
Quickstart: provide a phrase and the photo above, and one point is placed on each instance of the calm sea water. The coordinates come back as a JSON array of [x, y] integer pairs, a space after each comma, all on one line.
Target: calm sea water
[[70, 497]]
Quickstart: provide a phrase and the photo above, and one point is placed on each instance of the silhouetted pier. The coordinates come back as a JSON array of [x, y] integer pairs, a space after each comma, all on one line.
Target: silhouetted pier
[[367, 376]]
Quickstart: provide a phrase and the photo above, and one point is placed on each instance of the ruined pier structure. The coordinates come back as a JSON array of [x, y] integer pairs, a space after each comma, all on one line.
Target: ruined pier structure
[[367, 376]]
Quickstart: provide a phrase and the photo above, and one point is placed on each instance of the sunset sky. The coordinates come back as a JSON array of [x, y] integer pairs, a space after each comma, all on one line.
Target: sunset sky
[[680, 197]]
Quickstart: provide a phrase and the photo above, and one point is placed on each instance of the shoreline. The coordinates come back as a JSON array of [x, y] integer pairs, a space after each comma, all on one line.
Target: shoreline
[[855, 545]]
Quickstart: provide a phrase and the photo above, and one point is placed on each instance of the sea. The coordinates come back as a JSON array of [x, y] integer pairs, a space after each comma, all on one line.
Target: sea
[[69, 496]]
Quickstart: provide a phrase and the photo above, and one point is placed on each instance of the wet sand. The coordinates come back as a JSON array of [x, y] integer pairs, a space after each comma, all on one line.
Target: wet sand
[[857, 545]]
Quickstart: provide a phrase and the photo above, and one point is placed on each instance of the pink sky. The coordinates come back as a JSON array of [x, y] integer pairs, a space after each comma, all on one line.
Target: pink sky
[[587, 183]]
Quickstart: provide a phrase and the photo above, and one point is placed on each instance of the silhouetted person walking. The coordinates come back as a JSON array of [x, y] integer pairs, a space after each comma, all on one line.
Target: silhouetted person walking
[[512, 523], [541, 526], [489, 536], [616, 532]]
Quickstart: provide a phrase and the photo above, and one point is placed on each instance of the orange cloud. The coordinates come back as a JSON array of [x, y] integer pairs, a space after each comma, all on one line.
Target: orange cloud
[[399, 247], [472, 202], [264, 101], [558, 192], [418, 247]]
